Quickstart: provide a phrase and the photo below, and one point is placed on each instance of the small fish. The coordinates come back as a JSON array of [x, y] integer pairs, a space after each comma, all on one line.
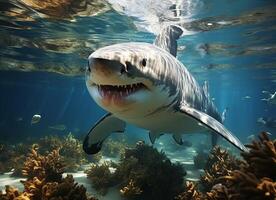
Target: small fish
[[19, 119], [254, 137], [267, 122], [261, 120], [271, 99], [251, 137], [35, 119], [58, 127], [246, 97]]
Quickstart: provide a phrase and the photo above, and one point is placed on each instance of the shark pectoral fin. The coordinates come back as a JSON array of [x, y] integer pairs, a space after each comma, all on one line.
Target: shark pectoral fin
[[178, 139], [213, 125], [153, 136], [100, 131]]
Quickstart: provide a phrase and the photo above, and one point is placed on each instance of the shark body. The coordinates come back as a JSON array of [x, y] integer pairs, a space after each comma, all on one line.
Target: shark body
[[145, 85]]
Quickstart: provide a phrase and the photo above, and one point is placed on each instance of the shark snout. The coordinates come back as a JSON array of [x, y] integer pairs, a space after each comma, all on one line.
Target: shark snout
[[105, 68], [107, 72]]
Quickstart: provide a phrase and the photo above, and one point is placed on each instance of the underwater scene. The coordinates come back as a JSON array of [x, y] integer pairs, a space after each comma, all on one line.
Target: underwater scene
[[137, 100]]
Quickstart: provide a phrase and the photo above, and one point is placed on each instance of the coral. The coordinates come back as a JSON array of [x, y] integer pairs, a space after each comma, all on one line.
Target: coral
[[44, 180], [218, 192], [142, 173], [261, 157], [113, 148], [50, 167], [49, 143], [227, 178], [12, 157], [66, 190], [73, 154], [245, 185], [190, 193], [131, 191], [151, 171], [6, 153], [12, 193], [220, 163], [17, 164], [254, 178], [20, 151], [33, 187], [100, 177], [70, 150]]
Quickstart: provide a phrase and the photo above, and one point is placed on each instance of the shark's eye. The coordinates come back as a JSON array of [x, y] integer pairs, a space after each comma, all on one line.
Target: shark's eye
[[144, 62]]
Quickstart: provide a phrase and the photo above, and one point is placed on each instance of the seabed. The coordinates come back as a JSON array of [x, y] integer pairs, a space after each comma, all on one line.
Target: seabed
[[113, 193]]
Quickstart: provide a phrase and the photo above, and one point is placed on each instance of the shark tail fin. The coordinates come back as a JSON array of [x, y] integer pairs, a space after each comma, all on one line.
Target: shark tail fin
[[168, 37]]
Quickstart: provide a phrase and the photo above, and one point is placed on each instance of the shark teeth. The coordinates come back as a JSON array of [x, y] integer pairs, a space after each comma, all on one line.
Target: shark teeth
[[120, 90]]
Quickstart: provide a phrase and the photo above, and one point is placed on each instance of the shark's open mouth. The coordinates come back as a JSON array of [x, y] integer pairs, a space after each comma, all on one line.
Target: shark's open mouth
[[120, 90]]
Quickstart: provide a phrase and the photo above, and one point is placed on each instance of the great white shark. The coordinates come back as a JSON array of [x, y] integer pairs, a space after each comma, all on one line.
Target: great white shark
[[145, 85]]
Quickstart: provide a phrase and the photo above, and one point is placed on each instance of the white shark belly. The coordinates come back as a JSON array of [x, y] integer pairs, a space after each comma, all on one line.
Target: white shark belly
[[168, 122]]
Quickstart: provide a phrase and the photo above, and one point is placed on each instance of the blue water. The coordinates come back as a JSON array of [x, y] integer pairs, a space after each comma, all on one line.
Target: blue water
[[42, 64]]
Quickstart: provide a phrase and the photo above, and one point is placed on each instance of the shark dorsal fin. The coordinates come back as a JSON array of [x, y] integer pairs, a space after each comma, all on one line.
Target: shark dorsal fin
[[168, 37]]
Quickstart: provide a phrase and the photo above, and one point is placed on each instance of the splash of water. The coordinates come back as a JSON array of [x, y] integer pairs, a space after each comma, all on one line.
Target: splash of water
[[152, 15]]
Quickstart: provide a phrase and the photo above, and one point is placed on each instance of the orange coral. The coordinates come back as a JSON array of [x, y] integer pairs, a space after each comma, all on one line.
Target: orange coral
[[131, 190], [100, 177], [261, 158], [218, 192], [245, 185], [220, 163], [190, 192], [69, 147], [67, 189], [256, 178], [44, 180], [12, 193], [48, 167], [227, 178]]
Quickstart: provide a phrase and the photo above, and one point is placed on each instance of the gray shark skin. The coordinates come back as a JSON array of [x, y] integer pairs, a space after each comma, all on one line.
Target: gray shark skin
[[145, 85]]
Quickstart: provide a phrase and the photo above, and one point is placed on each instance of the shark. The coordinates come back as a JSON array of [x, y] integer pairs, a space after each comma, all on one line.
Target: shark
[[146, 85]]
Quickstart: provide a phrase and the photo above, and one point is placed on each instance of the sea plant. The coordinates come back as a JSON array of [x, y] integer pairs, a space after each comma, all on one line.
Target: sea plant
[[252, 178], [142, 173], [220, 163], [44, 180], [101, 177]]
